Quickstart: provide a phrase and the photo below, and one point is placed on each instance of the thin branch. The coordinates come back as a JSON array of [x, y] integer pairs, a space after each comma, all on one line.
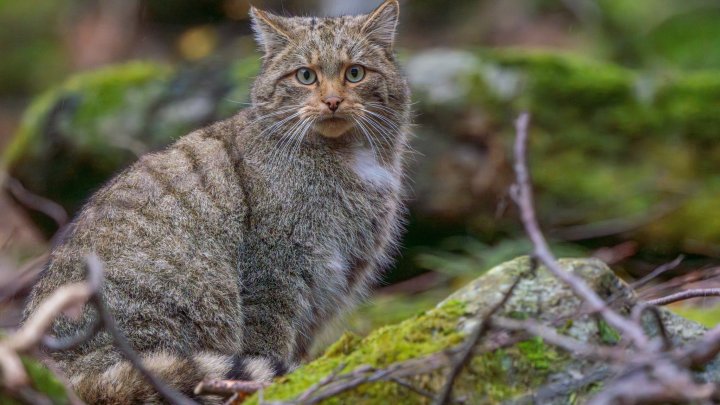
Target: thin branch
[[403, 383], [469, 345], [54, 344], [576, 347], [617, 226], [664, 268], [637, 313], [315, 387], [685, 295], [36, 202], [69, 297], [522, 194], [72, 297], [95, 270], [27, 275], [229, 387]]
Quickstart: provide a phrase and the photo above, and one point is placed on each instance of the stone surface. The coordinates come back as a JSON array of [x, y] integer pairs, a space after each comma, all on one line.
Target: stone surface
[[511, 375]]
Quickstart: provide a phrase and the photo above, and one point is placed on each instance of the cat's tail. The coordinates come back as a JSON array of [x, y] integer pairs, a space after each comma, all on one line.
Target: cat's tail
[[121, 383]]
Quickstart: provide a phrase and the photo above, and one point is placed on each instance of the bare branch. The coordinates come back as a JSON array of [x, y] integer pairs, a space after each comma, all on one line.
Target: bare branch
[[657, 272], [469, 345], [637, 313], [229, 387], [72, 297], [69, 297], [95, 270], [576, 347], [36, 202], [522, 194], [54, 344], [686, 295], [26, 276]]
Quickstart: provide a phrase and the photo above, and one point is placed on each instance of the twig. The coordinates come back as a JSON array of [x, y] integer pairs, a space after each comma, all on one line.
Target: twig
[[72, 296], [54, 344], [685, 295], [229, 387], [657, 272], [32, 332], [637, 313], [335, 383], [469, 345], [315, 387], [576, 347], [36, 202], [95, 270], [403, 383], [27, 275], [522, 194]]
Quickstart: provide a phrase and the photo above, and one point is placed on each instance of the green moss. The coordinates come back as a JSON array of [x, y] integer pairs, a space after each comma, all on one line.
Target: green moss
[[608, 334], [706, 316], [421, 335], [42, 381], [102, 93], [45, 382], [537, 353], [505, 374]]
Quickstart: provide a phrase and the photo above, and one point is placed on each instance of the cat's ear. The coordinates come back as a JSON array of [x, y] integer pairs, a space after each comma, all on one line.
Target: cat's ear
[[381, 24], [271, 31]]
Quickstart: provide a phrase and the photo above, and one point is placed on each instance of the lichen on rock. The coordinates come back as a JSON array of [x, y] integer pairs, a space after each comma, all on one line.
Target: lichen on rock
[[508, 375]]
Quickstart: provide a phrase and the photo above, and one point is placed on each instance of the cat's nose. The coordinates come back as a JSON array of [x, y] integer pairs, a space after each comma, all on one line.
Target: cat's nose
[[333, 102]]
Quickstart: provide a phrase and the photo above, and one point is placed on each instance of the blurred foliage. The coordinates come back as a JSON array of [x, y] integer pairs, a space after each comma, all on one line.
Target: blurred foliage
[[608, 143], [466, 256], [625, 120], [42, 381], [32, 51], [706, 315]]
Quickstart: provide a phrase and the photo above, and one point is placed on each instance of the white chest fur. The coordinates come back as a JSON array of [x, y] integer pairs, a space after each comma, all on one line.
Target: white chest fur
[[372, 172]]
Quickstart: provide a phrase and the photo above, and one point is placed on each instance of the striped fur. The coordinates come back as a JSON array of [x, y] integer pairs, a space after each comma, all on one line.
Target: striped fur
[[228, 252]]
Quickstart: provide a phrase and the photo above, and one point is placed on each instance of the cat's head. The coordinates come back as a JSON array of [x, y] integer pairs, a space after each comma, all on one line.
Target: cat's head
[[332, 76]]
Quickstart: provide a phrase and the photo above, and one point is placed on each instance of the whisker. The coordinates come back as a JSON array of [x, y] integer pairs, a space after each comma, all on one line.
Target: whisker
[[383, 119], [381, 129], [284, 141], [364, 130], [301, 135], [279, 123], [282, 110], [383, 108]]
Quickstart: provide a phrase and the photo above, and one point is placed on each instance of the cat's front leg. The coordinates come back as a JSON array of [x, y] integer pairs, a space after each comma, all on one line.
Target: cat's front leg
[[274, 289]]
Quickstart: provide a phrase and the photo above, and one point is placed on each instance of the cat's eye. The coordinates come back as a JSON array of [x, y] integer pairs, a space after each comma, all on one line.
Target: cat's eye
[[355, 73], [306, 76]]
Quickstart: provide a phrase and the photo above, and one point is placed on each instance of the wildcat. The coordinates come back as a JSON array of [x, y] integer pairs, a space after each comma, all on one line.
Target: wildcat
[[227, 252]]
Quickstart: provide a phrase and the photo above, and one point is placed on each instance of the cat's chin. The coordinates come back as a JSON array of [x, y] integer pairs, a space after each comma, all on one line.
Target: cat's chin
[[333, 127]]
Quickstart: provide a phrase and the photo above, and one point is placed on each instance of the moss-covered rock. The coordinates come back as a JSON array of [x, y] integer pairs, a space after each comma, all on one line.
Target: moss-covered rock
[[508, 374]]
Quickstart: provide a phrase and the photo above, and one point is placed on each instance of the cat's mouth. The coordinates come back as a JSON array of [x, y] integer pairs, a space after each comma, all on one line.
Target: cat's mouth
[[333, 126]]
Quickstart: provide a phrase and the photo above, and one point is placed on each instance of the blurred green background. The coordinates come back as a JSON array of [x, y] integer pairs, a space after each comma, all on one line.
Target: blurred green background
[[625, 98]]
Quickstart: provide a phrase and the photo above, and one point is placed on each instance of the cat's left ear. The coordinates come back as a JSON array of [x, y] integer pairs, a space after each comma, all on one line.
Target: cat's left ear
[[271, 31], [381, 24]]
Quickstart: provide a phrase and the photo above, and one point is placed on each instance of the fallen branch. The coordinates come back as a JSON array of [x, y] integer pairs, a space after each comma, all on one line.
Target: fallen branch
[[663, 268], [71, 299], [522, 194], [35, 202], [468, 346], [229, 387], [686, 295]]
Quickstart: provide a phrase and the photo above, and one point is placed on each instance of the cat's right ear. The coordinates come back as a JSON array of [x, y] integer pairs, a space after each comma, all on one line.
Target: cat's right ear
[[381, 24], [271, 31]]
